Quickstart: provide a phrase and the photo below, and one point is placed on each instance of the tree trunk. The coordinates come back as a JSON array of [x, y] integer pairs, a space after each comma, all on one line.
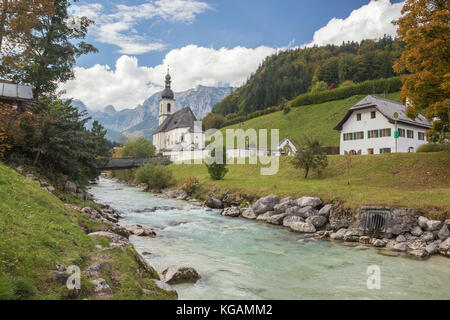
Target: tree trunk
[[306, 172], [4, 12]]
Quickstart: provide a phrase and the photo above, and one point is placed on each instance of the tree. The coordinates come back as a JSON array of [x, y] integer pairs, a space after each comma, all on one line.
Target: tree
[[424, 28], [155, 176], [319, 86], [44, 51], [310, 155], [347, 83], [140, 147], [213, 121], [216, 170]]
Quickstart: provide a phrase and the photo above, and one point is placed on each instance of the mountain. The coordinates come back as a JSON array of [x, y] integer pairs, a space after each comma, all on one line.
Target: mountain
[[143, 120]]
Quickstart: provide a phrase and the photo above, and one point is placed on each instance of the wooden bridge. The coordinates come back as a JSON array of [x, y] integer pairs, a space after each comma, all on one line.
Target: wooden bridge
[[132, 162]]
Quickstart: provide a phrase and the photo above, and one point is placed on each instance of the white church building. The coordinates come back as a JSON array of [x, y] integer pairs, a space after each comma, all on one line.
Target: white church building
[[376, 125], [177, 130]]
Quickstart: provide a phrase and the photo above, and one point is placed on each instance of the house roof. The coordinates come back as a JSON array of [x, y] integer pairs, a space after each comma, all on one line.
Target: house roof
[[387, 108], [13, 91], [183, 118]]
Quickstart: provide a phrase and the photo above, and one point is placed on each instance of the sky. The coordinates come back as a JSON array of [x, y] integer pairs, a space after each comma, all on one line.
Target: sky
[[206, 42]]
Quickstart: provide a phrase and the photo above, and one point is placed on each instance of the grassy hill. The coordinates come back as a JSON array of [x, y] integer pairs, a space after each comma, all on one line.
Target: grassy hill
[[37, 231], [418, 180], [318, 120]]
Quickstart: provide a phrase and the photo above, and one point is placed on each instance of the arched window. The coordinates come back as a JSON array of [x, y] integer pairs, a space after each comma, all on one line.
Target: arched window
[[168, 107]]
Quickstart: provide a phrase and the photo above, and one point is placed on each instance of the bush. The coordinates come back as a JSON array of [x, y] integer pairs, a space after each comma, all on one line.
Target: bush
[[310, 155], [433, 147], [155, 176], [319, 86], [286, 109], [190, 185], [217, 171], [140, 147], [24, 289]]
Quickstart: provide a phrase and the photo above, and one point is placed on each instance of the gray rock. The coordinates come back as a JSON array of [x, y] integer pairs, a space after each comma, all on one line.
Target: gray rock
[[416, 231], [416, 244], [276, 219], [111, 236], [164, 286], [101, 288], [325, 211], [288, 220], [433, 248], [401, 238], [60, 267], [303, 227], [364, 239], [141, 231], [283, 206], [265, 204], [427, 237], [352, 235], [287, 199], [433, 225], [95, 270], [213, 202], [304, 212], [444, 248], [379, 243], [60, 277], [444, 233], [317, 221], [402, 247], [265, 216], [249, 214], [70, 187], [175, 275], [340, 217], [447, 222], [231, 212], [422, 222], [419, 253], [309, 202], [339, 235]]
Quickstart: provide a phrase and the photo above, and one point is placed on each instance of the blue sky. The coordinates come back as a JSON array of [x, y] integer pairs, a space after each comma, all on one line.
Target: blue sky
[[207, 42]]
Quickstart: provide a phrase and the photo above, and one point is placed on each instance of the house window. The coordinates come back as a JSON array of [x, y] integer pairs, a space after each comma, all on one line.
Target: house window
[[410, 134], [385, 150], [386, 132], [370, 151], [354, 136], [373, 114], [358, 117], [401, 133], [421, 135]]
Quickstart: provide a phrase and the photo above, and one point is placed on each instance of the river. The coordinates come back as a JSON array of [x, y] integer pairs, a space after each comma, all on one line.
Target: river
[[241, 259]]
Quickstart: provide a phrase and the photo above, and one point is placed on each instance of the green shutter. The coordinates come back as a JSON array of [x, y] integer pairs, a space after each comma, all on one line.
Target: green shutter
[[389, 132]]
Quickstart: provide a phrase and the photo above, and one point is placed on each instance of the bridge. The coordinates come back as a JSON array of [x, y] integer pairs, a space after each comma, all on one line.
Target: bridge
[[131, 162]]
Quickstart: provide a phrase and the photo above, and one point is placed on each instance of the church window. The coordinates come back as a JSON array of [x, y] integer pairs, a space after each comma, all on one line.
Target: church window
[[168, 107]]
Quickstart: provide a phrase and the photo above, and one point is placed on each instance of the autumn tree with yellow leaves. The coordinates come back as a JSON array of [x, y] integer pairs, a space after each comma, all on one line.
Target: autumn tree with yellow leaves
[[424, 27]]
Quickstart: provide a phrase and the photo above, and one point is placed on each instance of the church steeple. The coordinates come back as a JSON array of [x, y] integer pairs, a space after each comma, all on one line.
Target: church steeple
[[167, 104]]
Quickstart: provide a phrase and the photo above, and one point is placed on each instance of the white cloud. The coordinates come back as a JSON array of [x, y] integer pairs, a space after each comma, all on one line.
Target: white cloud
[[130, 84], [371, 21], [118, 27]]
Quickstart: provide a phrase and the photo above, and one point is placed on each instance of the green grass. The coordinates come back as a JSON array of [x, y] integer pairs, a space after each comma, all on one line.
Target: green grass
[[418, 180], [317, 120], [37, 231]]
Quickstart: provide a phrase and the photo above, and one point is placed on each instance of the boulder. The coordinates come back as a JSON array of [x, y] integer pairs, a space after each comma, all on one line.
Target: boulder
[[444, 233], [401, 247], [419, 253], [213, 202], [283, 206], [265, 204], [447, 222], [95, 270], [288, 220], [322, 234], [422, 222], [416, 231], [379, 243], [427, 237], [70, 187], [303, 227], [101, 288], [340, 217], [231, 212], [287, 199], [60, 277], [317, 221], [352, 235], [401, 238], [174, 275], [433, 225], [339, 235], [164, 286], [114, 237], [309, 202], [433, 248], [444, 248], [304, 212], [364, 240], [265, 216], [325, 211], [416, 245], [141, 231], [249, 214], [276, 219]]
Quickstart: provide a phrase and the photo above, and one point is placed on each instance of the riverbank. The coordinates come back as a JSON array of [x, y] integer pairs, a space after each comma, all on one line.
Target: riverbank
[[41, 237]]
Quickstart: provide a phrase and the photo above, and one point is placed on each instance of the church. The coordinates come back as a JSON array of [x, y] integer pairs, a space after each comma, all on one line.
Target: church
[[177, 130]]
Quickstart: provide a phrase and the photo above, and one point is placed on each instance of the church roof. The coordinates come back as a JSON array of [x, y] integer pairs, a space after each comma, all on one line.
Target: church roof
[[167, 92], [387, 108], [183, 118]]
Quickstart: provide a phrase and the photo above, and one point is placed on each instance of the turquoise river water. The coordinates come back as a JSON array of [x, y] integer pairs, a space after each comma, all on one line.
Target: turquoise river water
[[241, 259]]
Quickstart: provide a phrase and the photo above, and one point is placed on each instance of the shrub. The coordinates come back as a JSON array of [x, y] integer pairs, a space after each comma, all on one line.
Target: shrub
[[310, 155], [217, 171], [286, 109], [24, 289], [346, 84], [190, 185], [140, 147], [433, 147], [319, 86], [155, 176]]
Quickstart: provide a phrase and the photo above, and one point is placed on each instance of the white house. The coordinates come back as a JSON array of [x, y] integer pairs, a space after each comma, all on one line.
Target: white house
[[370, 127], [177, 131]]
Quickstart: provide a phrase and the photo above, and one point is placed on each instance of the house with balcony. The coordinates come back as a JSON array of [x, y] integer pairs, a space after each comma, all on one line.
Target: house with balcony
[[376, 125]]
